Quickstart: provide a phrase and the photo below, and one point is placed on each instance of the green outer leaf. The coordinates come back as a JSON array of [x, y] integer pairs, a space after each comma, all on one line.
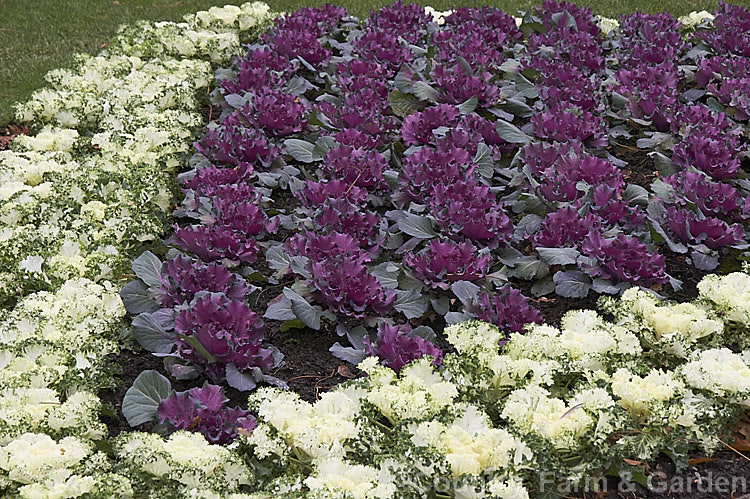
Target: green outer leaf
[[572, 284], [511, 133], [137, 299], [411, 303], [301, 150], [403, 104], [416, 226], [468, 105], [483, 160], [151, 334], [198, 346], [148, 269], [307, 313], [424, 91], [558, 256], [142, 400]]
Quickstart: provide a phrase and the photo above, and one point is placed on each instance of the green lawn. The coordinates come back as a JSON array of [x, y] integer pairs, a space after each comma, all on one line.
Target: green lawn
[[39, 35]]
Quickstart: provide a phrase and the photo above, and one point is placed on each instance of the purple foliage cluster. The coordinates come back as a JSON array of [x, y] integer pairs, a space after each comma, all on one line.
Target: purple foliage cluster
[[396, 347], [203, 410], [384, 171]]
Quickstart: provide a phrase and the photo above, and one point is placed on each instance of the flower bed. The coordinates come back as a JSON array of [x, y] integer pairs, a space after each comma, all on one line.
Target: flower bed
[[382, 179]]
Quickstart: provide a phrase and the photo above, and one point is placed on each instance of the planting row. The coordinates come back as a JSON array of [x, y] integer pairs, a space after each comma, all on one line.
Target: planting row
[[391, 176], [82, 197]]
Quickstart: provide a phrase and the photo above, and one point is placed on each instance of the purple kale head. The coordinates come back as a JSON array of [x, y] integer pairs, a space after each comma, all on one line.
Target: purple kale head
[[203, 410], [625, 259], [258, 68], [509, 310], [563, 125], [396, 347], [356, 166], [455, 86], [564, 227], [550, 12], [710, 231], [234, 144], [339, 215], [213, 180], [731, 33], [384, 48], [349, 290], [427, 168], [439, 264], [716, 157], [316, 193], [406, 20], [332, 247], [471, 209], [215, 242], [418, 127], [183, 278], [716, 199], [216, 330], [277, 113]]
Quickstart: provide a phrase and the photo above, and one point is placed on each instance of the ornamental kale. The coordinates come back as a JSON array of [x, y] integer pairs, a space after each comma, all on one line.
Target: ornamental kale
[[510, 310], [418, 127], [215, 242], [356, 166], [710, 231], [183, 278], [716, 199], [396, 346], [564, 227], [203, 410], [277, 113], [258, 68], [234, 144], [471, 209], [215, 331], [625, 259], [349, 290], [443, 262], [455, 85], [571, 123], [408, 21], [715, 157]]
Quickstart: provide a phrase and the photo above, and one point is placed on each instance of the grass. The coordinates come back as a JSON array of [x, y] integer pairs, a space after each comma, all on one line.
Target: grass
[[39, 35]]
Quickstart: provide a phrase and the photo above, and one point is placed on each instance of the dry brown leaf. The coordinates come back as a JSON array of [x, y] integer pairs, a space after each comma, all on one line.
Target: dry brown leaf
[[346, 372], [700, 460], [633, 462]]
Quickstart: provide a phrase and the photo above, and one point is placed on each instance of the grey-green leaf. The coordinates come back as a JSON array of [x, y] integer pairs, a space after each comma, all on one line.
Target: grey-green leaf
[[142, 400], [572, 284], [148, 269], [411, 303], [424, 91], [137, 299], [558, 256], [150, 331], [416, 226], [511, 133], [483, 160], [301, 150]]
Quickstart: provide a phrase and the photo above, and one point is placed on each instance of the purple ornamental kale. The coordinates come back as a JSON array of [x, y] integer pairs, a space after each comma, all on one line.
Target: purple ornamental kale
[[441, 263], [652, 91], [211, 180], [607, 204], [300, 43], [455, 86], [243, 217], [564, 227], [720, 67], [349, 290], [580, 49], [339, 215], [316, 193], [560, 183], [277, 113], [258, 68], [550, 11], [203, 410], [625, 259], [396, 347], [320, 248], [234, 144], [563, 125], [355, 166], [561, 84], [716, 199], [418, 127], [215, 242], [509, 310], [470, 209], [716, 157], [408, 21], [227, 329], [710, 231], [731, 33], [476, 43], [183, 278], [734, 92], [384, 48], [702, 120], [428, 168]]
